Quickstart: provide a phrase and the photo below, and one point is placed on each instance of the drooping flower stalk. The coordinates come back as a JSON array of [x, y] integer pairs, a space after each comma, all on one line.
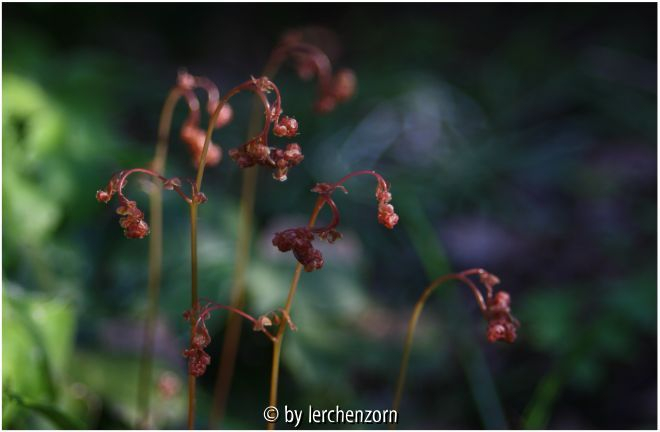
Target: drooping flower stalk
[[186, 84], [495, 310], [256, 151], [299, 241], [310, 60], [198, 359]]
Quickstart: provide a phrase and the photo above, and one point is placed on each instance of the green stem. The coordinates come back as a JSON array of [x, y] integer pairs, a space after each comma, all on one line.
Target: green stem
[[233, 331], [232, 335], [155, 259], [412, 325], [194, 300], [277, 346]]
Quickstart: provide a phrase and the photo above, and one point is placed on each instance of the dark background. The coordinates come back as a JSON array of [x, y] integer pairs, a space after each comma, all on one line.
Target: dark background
[[519, 138]]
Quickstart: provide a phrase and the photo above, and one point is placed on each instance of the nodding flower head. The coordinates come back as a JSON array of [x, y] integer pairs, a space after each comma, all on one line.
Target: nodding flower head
[[256, 151], [286, 127], [285, 159], [496, 309], [299, 240], [132, 218], [191, 133], [309, 61], [501, 324], [198, 359], [194, 137], [226, 113], [344, 84], [386, 215]]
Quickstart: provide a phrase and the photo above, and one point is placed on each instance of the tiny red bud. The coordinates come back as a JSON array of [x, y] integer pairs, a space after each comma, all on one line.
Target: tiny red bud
[[102, 196], [185, 81], [170, 184], [199, 198], [226, 113], [325, 104], [344, 84]]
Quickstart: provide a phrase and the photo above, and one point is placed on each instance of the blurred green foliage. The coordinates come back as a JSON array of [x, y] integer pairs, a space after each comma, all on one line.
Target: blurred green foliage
[[519, 139]]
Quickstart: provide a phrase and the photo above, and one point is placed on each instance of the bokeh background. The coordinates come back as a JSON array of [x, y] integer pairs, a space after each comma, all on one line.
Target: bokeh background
[[519, 138]]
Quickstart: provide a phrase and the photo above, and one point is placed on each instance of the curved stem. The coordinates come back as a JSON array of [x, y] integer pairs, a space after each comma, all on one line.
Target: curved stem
[[194, 302], [277, 347], [236, 312], [246, 86], [155, 259], [233, 330], [378, 177], [417, 311]]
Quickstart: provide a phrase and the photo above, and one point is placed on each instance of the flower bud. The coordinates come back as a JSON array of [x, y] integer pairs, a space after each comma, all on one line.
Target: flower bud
[[226, 113], [286, 127], [344, 84], [185, 81], [325, 104], [103, 196]]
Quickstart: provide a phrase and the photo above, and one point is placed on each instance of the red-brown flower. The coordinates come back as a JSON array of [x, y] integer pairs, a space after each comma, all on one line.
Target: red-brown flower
[[256, 151], [299, 240], [132, 218], [309, 61]]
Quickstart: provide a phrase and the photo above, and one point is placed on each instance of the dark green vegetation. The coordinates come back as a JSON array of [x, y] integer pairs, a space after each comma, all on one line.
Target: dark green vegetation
[[519, 139]]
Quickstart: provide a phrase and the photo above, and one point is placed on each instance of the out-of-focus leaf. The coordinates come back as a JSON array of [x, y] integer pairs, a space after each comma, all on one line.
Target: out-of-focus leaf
[[37, 339], [57, 417], [113, 377]]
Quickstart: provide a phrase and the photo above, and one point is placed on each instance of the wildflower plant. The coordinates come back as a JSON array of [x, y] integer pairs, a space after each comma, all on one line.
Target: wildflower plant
[[495, 308], [257, 150]]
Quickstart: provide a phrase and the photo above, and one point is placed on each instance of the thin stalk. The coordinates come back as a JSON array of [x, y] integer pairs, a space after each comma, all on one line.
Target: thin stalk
[[155, 259], [233, 331], [277, 346], [194, 300], [412, 324], [232, 335]]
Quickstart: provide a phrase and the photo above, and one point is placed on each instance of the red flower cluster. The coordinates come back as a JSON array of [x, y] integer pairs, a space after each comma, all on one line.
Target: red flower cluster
[[339, 89], [386, 215], [132, 218], [198, 359], [299, 240], [497, 311], [191, 133], [256, 151], [501, 324], [309, 61], [194, 137]]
